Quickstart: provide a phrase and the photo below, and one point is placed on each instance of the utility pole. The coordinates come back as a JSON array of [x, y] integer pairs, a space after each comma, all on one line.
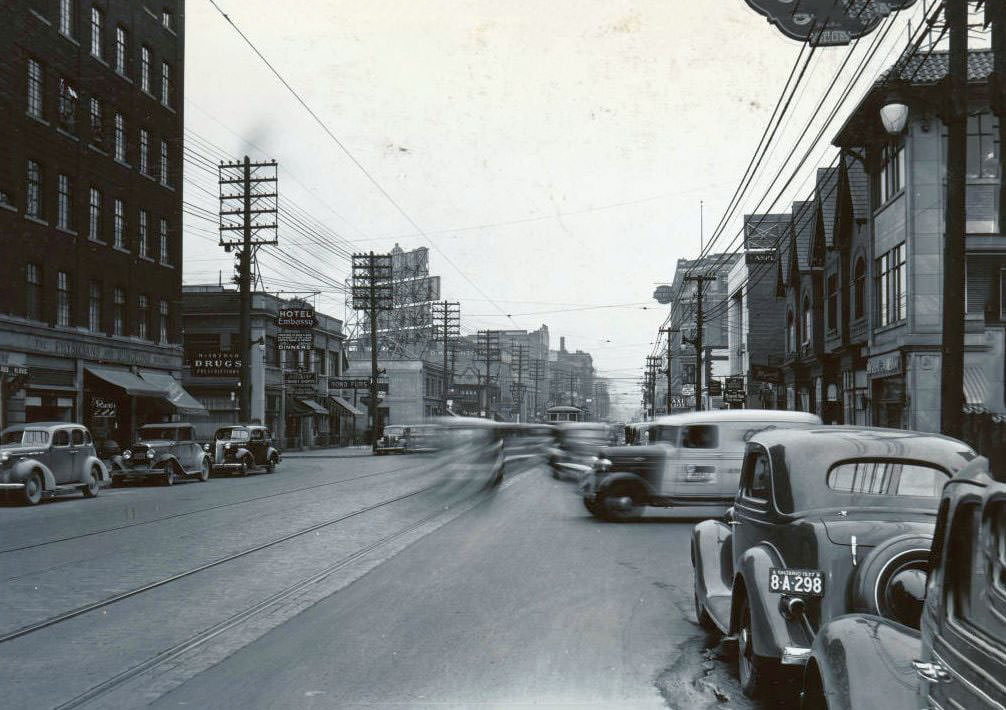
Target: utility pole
[[517, 352], [447, 328], [995, 15], [652, 367], [697, 340], [537, 375], [669, 331], [372, 292], [952, 371], [488, 349], [248, 206]]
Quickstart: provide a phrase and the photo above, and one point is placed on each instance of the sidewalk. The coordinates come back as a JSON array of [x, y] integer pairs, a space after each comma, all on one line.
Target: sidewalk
[[330, 452]]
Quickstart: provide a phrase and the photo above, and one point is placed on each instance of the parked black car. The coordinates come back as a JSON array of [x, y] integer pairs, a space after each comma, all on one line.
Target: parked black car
[[958, 660], [826, 521], [243, 448], [168, 452], [47, 458]]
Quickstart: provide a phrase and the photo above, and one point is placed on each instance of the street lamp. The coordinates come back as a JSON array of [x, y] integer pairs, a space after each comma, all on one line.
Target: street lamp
[[894, 115]]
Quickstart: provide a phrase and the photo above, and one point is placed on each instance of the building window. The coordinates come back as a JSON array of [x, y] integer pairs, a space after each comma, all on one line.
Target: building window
[[97, 125], [145, 68], [96, 19], [166, 19], [66, 17], [94, 307], [859, 287], [808, 321], [33, 191], [120, 50], [163, 321], [144, 151], [143, 316], [688, 376], [833, 302], [892, 282], [36, 89], [33, 292], [165, 83], [67, 105], [94, 215], [141, 234], [120, 138], [119, 224], [983, 146], [164, 163], [63, 299], [162, 239], [119, 312], [64, 203], [892, 172]]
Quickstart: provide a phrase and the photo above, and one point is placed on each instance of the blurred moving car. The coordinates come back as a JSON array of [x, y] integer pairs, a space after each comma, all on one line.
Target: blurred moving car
[[826, 521], [392, 440], [576, 446], [472, 449], [48, 458], [167, 452], [243, 448], [691, 459], [421, 439], [958, 660]]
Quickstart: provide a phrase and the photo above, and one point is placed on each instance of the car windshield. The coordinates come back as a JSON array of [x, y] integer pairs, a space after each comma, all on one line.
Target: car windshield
[[231, 434], [27, 437], [156, 433], [887, 478], [394, 431], [586, 434], [666, 434]]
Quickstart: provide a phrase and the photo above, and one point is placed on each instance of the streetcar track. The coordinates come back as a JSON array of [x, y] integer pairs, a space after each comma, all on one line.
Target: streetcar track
[[108, 601], [175, 516], [230, 622]]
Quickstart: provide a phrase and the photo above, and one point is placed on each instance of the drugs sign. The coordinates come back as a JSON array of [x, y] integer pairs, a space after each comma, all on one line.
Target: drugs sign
[[219, 363]]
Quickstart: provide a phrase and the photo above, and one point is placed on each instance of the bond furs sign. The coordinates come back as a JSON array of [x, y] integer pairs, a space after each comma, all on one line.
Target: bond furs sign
[[215, 364], [827, 22], [297, 317]]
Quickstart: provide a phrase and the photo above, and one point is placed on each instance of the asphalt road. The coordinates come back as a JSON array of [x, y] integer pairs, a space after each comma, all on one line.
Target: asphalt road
[[350, 582]]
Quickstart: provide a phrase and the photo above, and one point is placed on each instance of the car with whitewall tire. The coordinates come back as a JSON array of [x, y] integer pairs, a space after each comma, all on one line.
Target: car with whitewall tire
[[166, 452], [243, 448], [45, 459]]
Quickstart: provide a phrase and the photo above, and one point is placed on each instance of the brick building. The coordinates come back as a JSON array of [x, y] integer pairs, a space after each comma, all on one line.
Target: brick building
[[91, 98]]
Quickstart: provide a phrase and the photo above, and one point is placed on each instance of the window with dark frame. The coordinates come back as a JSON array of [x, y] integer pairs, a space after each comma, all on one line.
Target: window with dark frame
[[97, 125], [808, 321], [142, 316], [94, 307], [162, 238], [892, 280], [33, 292], [166, 84], [63, 299], [97, 18], [859, 288], [164, 164], [120, 138], [833, 302], [163, 321], [119, 311], [142, 245], [790, 332], [121, 50], [67, 106], [33, 191], [144, 152], [94, 215], [145, 68], [66, 17], [983, 146], [64, 203], [119, 224], [36, 89], [166, 19], [892, 171]]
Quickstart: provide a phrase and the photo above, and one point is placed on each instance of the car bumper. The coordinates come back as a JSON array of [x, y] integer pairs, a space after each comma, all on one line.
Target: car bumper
[[226, 466], [11, 486], [138, 472]]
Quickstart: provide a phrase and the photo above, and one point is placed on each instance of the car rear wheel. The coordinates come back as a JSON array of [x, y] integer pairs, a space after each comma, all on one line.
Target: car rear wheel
[[204, 471], [270, 466], [592, 506], [752, 671], [705, 621], [93, 486], [620, 504], [33, 487]]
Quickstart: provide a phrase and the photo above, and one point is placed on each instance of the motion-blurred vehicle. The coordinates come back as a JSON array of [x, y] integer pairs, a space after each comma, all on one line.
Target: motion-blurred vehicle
[[575, 448], [826, 521], [421, 439], [392, 440], [48, 458], [691, 459], [168, 452], [637, 433], [244, 448], [472, 449], [958, 660]]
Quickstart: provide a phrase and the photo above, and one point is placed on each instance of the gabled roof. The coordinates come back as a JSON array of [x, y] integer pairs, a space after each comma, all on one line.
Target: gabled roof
[[804, 215], [782, 261], [827, 197], [859, 188]]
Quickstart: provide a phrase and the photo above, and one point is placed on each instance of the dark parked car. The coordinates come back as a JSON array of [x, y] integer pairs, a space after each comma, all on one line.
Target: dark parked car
[[959, 658], [45, 459], [826, 521], [243, 448], [167, 451], [392, 440]]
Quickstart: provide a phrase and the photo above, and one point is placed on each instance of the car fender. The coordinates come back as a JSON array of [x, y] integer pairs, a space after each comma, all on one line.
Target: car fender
[[163, 459], [102, 469], [619, 477], [771, 631], [242, 452], [23, 468], [272, 453], [858, 658], [712, 568], [115, 464]]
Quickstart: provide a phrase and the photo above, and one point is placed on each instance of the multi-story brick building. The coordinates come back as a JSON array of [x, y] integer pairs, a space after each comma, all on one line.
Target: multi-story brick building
[[91, 97]]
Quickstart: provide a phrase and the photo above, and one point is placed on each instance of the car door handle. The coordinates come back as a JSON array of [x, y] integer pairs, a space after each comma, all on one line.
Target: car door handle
[[733, 523], [933, 672]]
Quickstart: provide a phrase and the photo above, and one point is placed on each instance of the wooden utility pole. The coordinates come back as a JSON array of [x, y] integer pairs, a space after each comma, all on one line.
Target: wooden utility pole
[[995, 15], [518, 350], [488, 349], [652, 367], [241, 183], [537, 374], [447, 328], [952, 371], [373, 292], [669, 331], [697, 340]]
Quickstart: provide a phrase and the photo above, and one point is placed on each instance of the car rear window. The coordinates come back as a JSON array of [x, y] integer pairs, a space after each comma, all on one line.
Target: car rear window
[[887, 478], [78, 437]]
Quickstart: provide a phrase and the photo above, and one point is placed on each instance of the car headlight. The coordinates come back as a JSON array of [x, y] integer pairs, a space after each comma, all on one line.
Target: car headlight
[[206, 447], [127, 454], [150, 454], [5, 457], [227, 446], [601, 465]]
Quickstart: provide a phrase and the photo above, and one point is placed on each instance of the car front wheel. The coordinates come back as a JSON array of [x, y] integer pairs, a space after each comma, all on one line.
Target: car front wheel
[[93, 486], [204, 471], [33, 487], [620, 504]]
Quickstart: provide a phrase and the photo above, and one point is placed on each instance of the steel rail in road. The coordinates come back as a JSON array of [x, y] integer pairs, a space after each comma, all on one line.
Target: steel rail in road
[[212, 632], [175, 516]]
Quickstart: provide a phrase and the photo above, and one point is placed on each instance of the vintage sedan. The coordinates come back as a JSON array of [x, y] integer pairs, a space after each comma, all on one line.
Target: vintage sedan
[[958, 660], [48, 458], [244, 448], [167, 452], [392, 440], [826, 521]]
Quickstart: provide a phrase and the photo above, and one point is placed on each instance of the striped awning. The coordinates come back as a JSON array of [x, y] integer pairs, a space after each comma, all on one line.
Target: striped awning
[[976, 386]]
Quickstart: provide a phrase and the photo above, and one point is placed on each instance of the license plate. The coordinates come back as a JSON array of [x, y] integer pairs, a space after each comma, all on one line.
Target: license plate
[[801, 582]]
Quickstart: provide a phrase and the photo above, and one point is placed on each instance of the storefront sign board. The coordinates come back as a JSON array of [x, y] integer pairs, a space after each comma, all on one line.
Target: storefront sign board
[[886, 365], [217, 363], [295, 340], [297, 317]]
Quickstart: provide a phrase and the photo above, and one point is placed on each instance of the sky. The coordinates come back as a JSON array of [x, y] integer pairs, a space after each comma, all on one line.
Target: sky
[[553, 155]]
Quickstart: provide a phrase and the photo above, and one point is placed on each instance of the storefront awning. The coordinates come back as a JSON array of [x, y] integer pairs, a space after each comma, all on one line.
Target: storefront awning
[[294, 408], [133, 385], [346, 406], [976, 386], [314, 406], [173, 392]]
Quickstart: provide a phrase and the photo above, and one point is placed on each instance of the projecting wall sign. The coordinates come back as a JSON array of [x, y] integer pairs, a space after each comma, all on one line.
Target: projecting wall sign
[[827, 22]]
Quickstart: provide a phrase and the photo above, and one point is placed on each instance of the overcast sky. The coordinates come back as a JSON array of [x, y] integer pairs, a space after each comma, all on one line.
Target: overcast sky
[[554, 153]]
